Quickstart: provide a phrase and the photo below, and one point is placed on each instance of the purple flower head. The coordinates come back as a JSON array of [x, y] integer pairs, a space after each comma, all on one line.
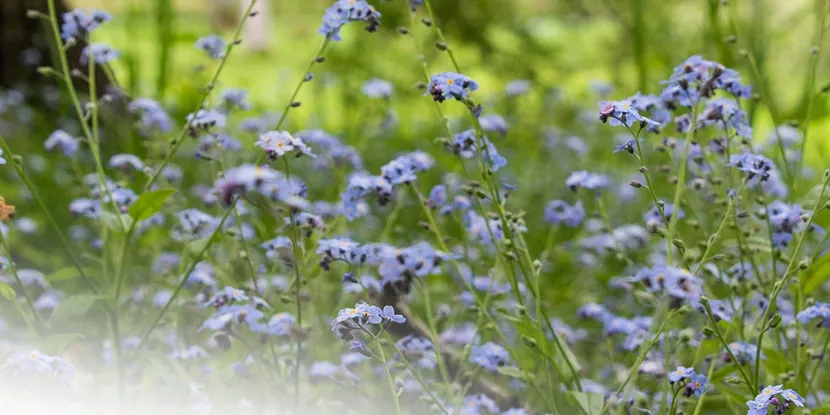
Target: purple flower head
[[681, 373], [378, 88], [126, 162], [101, 53], [560, 212], [696, 385], [792, 396], [213, 45], [449, 85], [235, 97], [60, 139], [627, 146], [586, 180], [752, 165], [622, 113], [206, 119], [36, 365], [78, 24], [489, 356], [270, 183], [227, 315], [345, 11], [653, 217], [517, 87], [744, 352], [388, 314], [720, 111], [193, 224], [279, 143], [403, 169], [819, 311], [480, 404], [152, 116], [225, 296], [281, 325], [494, 123]]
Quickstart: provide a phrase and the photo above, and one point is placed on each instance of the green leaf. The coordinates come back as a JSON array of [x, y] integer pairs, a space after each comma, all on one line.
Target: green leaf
[[58, 343], [7, 292], [149, 203], [819, 411], [515, 372], [817, 274], [590, 403], [72, 309], [737, 397], [66, 274], [775, 363], [111, 221]]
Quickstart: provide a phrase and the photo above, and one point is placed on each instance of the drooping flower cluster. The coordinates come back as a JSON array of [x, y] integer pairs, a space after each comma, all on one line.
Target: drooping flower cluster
[[490, 356], [345, 11], [560, 212], [362, 317], [102, 54], [675, 282], [769, 398], [450, 85], [819, 311], [465, 144], [79, 24], [247, 179], [698, 78], [401, 170], [787, 220], [60, 139], [152, 115], [695, 383], [622, 113], [34, 365], [213, 45], [278, 143], [417, 349]]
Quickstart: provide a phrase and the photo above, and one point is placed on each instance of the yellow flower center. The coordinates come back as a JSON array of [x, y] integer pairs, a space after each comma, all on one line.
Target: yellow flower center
[[33, 355], [352, 312], [450, 82]]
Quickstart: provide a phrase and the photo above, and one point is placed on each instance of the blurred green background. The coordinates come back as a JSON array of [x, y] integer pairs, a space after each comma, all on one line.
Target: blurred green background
[[563, 44]]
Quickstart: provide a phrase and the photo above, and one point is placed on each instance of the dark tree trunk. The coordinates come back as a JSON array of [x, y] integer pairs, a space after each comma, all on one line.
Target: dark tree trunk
[[25, 43]]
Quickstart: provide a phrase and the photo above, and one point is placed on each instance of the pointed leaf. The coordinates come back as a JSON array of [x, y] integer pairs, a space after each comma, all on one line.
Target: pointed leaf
[[149, 203], [72, 309], [112, 222], [7, 292], [817, 274], [590, 403]]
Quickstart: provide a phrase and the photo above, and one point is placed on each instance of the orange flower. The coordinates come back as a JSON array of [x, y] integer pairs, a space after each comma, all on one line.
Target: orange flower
[[6, 211]]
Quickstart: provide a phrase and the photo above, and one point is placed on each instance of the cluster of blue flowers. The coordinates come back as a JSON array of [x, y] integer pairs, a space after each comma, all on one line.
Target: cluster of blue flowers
[[237, 248]]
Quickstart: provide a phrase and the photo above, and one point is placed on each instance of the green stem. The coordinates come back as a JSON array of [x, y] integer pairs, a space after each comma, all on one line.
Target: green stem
[[183, 278], [681, 184], [642, 356], [179, 140], [389, 378], [699, 404], [779, 285], [52, 222], [725, 344], [40, 326], [811, 84], [295, 264], [711, 242]]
